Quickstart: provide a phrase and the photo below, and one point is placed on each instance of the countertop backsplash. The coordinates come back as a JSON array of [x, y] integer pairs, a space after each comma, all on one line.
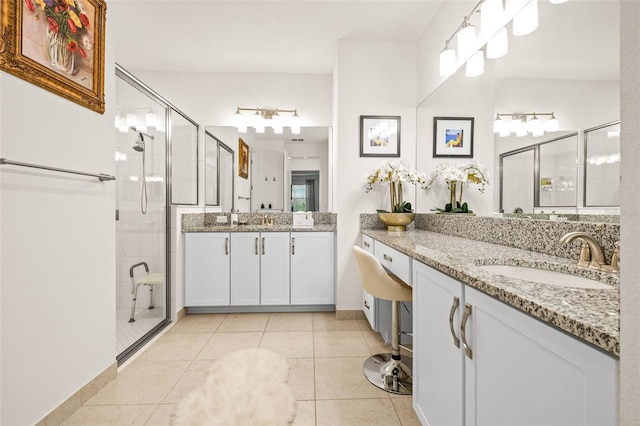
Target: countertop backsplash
[[278, 218], [541, 236]]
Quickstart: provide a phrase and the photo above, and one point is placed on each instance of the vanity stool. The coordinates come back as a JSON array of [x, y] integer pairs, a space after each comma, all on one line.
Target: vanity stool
[[388, 371], [148, 279]]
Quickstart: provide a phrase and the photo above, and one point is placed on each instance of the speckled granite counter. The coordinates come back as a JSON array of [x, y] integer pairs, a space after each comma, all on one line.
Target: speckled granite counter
[[256, 228], [591, 315]]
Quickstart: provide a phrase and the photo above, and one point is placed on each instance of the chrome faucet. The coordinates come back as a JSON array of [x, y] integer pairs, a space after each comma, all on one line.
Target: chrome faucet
[[591, 253]]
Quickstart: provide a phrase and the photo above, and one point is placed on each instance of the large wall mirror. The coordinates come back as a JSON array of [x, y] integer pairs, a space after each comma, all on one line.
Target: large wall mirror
[[287, 172], [184, 159], [577, 79]]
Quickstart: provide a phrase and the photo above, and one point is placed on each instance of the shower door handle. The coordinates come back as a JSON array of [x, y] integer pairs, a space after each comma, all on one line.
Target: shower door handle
[[226, 246]]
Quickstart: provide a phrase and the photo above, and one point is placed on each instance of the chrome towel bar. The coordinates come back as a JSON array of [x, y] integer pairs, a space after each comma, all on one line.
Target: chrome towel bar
[[101, 176]]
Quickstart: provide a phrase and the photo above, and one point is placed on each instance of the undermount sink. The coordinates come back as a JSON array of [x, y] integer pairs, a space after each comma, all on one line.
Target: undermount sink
[[544, 276]]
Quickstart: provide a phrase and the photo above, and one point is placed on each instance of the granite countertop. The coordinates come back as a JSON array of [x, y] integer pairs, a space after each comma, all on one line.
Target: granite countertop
[[257, 228], [589, 314]]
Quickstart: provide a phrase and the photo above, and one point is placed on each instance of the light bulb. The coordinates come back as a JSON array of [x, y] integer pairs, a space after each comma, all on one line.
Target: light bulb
[[535, 126], [551, 124], [504, 132], [475, 64], [294, 122], [466, 39], [498, 45], [498, 124], [276, 123], [558, 1], [447, 62], [490, 16], [151, 120], [526, 21], [131, 120]]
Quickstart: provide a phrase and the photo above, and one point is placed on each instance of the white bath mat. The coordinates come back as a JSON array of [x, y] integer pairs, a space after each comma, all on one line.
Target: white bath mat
[[247, 387]]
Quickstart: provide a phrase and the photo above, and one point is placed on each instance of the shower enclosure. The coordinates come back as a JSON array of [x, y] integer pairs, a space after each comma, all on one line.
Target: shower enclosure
[[156, 166]]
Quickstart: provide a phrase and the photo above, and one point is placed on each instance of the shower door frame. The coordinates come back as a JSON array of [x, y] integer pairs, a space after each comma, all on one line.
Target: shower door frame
[[169, 109]]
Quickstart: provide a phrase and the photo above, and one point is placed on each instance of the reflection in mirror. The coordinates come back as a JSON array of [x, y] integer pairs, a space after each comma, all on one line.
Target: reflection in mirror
[[540, 177], [602, 166], [184, 159], [558, 172], [304, 190], [517, 181], [219, 178]]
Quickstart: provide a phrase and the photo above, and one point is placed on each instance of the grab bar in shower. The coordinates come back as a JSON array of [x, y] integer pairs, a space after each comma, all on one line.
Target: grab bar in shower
[[101, 176]]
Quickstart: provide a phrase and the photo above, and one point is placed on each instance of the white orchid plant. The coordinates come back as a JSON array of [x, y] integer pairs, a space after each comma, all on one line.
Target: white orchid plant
[[456, 176], [395, 173]]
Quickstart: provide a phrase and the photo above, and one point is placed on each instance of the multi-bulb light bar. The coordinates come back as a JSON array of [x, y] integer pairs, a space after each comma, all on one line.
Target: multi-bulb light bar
[[521, 124], [263, 117], [492, 40]]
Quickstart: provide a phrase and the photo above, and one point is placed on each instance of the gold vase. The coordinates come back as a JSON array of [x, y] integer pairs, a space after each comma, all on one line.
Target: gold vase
[[397, 222]]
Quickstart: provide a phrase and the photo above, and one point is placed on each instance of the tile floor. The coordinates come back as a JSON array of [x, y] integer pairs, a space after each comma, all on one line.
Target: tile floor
[[325, 357]]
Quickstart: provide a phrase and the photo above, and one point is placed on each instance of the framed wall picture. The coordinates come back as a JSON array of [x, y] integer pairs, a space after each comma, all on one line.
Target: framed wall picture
[[379, 136], [453, 137], [243, 159], [57, 45]]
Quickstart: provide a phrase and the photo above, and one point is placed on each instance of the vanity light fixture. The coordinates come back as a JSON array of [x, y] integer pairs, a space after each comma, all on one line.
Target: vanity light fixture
[[523, 123], [263, 117], [493, 19], [141, 119]]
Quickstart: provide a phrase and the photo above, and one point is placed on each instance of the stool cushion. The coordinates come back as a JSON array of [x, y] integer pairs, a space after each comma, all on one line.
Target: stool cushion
[[377, 282], [153, 278]]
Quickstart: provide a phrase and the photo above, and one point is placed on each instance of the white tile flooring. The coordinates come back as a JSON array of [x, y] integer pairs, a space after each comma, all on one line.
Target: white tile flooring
[[127, 333], [325, 357]]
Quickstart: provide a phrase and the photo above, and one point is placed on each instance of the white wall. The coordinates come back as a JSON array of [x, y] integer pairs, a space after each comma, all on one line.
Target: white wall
[[57, 257], [371, 78], [630, 215]]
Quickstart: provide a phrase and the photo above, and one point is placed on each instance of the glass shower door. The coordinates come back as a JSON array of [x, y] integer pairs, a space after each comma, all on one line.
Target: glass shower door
[[141, 218]]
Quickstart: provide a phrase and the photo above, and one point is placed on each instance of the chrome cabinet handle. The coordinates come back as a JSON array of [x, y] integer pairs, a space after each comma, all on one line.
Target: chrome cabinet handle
[[256, 247], [387, 258], [262, 245], [463, 330], [226, 246], [366, 305], [452, 312], [366, 244], [293, 245]]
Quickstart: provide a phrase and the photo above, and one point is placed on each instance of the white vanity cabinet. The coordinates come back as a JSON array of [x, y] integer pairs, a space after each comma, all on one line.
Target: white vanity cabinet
[[368, 301], [245, 268], [207, 269], [512, 370], [438, 362], [274, 271], [312, 268]]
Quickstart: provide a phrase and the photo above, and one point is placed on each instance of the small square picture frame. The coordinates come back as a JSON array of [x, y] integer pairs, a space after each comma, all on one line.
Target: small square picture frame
[[453, 137], [379, 136]]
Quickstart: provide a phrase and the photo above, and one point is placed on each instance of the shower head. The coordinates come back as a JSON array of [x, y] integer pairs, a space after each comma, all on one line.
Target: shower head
[[139, 146]]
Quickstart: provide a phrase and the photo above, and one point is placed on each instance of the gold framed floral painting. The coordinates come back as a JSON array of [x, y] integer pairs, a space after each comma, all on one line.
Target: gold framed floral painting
[[243, 159], [57, 45]]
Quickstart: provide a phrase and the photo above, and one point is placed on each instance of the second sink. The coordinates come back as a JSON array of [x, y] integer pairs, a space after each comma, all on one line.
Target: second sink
[[544, 276]]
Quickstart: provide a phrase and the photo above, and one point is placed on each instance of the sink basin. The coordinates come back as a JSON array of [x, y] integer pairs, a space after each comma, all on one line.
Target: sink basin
[[544, 276]]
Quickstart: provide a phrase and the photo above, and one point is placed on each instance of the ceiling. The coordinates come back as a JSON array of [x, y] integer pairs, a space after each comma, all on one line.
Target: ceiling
[[286, 36]]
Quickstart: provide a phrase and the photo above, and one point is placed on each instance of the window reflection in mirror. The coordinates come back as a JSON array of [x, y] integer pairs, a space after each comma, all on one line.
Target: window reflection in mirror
[[602, 166], [184, 160], [540, 177], [219, 177]]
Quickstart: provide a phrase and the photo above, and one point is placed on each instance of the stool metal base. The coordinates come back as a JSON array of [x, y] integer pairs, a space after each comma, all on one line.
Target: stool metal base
[[390, 375]]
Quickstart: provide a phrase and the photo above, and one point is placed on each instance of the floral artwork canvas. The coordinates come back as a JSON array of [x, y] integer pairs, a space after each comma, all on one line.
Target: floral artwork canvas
[[57, 45], [59, 35]]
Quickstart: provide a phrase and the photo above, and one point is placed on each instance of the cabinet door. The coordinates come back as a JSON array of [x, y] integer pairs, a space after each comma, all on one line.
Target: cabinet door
[[206, 269], [437, 361], [245, 268], [312, 268], [524, 372], [274, 274], [368, 301]]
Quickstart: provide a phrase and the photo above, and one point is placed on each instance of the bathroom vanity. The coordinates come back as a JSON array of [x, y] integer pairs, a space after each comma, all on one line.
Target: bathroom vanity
[[259, 267], [490, 349]]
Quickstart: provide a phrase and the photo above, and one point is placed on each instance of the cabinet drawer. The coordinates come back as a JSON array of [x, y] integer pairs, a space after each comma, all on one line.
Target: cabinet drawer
[[369, 309], [367, 243], [398, 263]]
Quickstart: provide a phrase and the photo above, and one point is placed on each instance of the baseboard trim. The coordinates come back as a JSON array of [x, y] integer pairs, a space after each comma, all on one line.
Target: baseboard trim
[[259, 308], [181, 314], [63, 411]]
